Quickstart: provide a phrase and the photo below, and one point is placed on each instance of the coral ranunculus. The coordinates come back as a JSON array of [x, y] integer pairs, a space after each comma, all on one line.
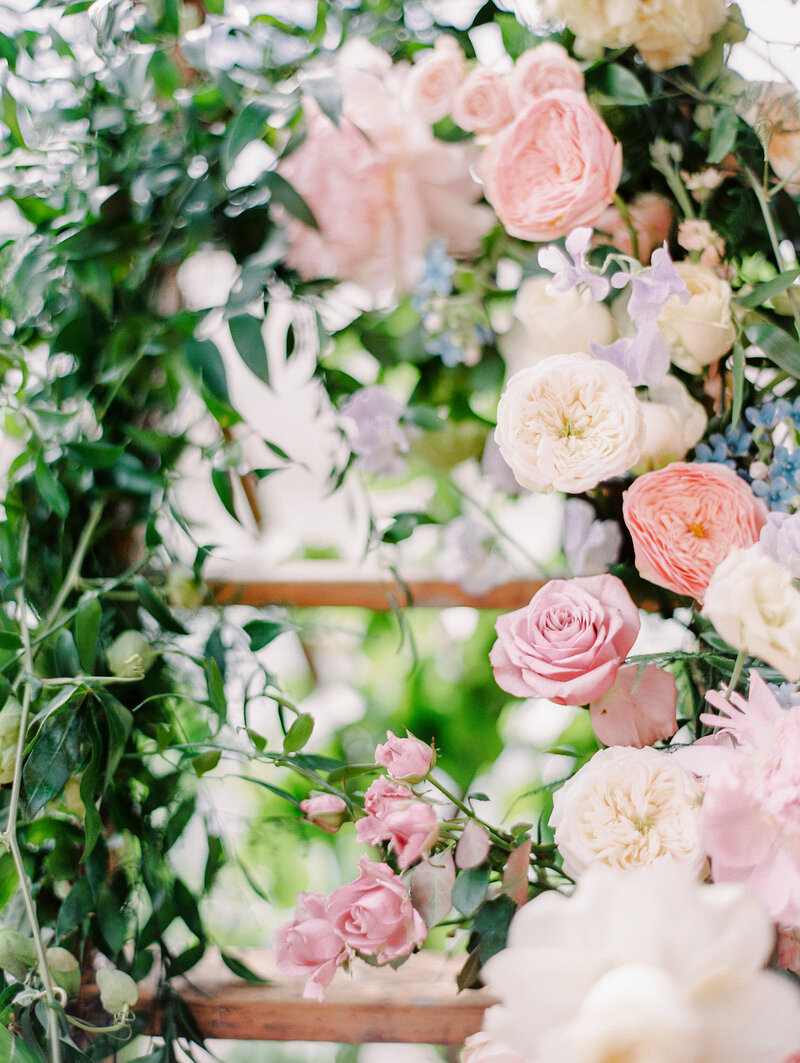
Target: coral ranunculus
[[685, 519], [556, 167], [568, 643]]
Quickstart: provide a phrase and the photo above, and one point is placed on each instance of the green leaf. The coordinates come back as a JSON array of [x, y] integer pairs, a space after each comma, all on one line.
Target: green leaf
[[241, 970], [262, 632], [620, 85], [120, 721], [9, 879], [767, 290], [221, 479], [248, 125], [207, 761], [204, 359], [96, 455], [470, 889], [328, 94], [403, 526], [154, 605], [92, 823], [56, 755], [78, 903], [65, 654], [299, 733], [708, 66], [283, 193], [178, 820], [216, 687], [52, 492], [87, 626], [776, 344], [738, 382], [467, 977], [249, 342], [516, 38], [14, 1049], [490, 928], [723, 135]]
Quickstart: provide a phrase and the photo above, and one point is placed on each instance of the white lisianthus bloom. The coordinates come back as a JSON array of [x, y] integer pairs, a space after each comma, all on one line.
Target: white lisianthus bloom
[[667, 33], [647, 966], [568, 423], [628, 808], [754, 606], [553, 324], [702, 330], [674, 422]]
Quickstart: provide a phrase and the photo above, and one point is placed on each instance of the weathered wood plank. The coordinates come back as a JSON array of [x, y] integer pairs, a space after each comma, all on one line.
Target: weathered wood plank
[[417, 1004]]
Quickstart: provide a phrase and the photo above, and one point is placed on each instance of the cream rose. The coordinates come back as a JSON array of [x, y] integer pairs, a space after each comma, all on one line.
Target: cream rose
[[628, 808], [568, 423], [702, 330], [553, 324], [482, 103], [674, 422], [754, 606], [667, 33]]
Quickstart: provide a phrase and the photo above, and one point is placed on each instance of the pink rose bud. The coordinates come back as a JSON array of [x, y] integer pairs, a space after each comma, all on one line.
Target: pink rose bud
[[406, 759], [326, 811], [309, 947], [374, 915]]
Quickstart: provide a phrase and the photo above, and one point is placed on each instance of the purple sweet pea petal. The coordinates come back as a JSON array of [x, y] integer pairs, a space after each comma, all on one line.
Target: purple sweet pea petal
[[643, 357], [651, 288], [566, 274]]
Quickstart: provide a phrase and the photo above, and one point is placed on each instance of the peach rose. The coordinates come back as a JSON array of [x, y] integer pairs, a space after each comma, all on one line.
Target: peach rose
[[568, 643], [685, 519], [556, 167], [432, 82], [544, 69], [482, 103], [651, 218], [374, 915]]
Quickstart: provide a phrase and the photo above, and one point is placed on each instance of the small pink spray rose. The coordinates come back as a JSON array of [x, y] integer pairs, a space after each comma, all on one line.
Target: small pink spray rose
[[405, 759], [309, 947], [394, 815], [326, 811]]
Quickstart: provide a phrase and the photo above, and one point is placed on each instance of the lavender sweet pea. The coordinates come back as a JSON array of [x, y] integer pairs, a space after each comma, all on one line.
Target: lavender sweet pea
[[372, 423]]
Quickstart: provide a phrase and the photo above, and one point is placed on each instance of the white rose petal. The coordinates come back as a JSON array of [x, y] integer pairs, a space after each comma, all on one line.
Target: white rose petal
[[701, 331], [674, 422], [568, 423]]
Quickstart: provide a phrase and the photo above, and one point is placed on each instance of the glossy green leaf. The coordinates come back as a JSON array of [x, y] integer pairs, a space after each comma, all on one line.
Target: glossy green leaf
[[241, 970], [52, 492], [283, 193], [56, 755], [470, 889], [249, 342], [120, 721], [216, 687], [328, 94], [248, 125], [776, 344], [723, 135], [156, 607], [87, 626], [221, 479], [299, 733], [621, 85], [262, 632], [767, 290]]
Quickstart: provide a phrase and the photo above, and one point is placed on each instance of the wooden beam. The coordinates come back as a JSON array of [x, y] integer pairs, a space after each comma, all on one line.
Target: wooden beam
[[379, 595], [417, 1004]]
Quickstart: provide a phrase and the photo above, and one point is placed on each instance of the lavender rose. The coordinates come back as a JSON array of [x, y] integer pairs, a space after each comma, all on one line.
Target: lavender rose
[[568, 643]]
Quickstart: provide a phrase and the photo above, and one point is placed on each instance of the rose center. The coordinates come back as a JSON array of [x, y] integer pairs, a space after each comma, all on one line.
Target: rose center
[[697, 530]]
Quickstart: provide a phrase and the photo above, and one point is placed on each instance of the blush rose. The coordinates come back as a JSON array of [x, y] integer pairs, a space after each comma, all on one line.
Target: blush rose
[[543, 69], [568, 643], [308, 947], [405, 759], [374, 915], [482, 103], [554, 168]]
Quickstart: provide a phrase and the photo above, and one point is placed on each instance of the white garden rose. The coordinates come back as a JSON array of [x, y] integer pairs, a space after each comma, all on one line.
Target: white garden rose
[[628, 808], [702, 330], [754, 605], [674, 422], [645, 966], [667, 33], [568, 423], [553, 324]]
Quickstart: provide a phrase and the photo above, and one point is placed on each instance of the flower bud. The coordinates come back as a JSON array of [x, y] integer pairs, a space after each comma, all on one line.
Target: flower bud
[[64, 969], [130, 655], [405, 759], [184, 589], [326, 811], [17, 953], [118, 991]]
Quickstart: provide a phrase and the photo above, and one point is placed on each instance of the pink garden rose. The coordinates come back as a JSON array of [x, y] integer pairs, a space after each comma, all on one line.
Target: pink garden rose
[[374, 915], [685, 519], [556, 167], [482, 103], [326, 811], [544, 69], [650, 216], [309, 947], [395, 816], [432, 82], [405, 759], [636, 712], [568, 643], [787, 954]]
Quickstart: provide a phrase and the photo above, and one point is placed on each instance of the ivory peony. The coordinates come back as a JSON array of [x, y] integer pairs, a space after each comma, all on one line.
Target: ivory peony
[[560, 323], [667, 33], [568, 643], [556, 167], [645, 966], [482, 103], [754, 605], [628, 808], [685, 519], [701, 331], [568, 423]]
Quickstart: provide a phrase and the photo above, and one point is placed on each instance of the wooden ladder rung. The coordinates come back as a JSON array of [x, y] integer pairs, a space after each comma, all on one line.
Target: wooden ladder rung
[[416, 1004]]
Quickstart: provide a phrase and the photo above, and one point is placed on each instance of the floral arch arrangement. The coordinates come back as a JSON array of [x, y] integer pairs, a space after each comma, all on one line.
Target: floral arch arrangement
[[514, 269]]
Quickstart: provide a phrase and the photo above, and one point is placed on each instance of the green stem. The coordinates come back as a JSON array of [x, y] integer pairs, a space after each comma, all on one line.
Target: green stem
[[74, 571], [736, 674], [500, 838], [763, 203], [9, 836]]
